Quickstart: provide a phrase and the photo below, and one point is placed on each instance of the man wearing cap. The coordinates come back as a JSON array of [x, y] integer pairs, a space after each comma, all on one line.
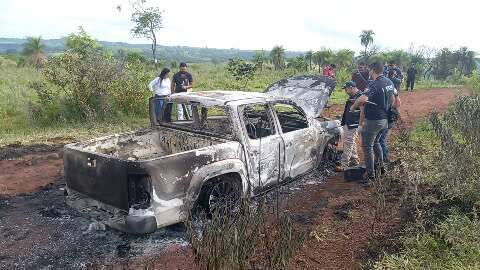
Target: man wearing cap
[[182, 82], [350, 122]]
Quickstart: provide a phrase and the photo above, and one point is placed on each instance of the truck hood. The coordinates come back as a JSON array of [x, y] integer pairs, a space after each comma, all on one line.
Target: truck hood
[[310, 92]]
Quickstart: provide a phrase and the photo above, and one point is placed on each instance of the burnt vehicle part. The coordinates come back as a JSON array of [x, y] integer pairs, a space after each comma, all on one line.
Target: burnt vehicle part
[[158, 168], [310, 92]]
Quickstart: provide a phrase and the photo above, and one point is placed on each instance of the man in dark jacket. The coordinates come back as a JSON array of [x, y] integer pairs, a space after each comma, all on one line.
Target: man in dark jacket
[[411, 74], [361, 76], [394, 74], [350, 122]]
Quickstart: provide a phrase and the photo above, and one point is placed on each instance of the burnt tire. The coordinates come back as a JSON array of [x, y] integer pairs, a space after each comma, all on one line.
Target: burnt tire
[[221, 195]]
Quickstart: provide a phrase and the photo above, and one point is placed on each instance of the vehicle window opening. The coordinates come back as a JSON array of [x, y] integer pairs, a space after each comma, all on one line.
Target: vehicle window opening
[[258, 121], [212, 119], [290, 117]]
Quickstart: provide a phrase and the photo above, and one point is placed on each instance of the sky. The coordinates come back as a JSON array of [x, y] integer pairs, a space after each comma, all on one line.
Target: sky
[[299, 25]]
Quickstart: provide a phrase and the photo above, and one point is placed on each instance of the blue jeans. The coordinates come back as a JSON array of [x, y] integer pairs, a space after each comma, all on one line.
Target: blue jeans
[[158, 104], [383, 144], [371, 132]]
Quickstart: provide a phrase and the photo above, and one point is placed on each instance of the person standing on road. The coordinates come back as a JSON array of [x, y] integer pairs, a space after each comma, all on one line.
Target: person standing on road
[[376, 105], [361, 76], [160, 87], [392, 118], [411, 74], [350, 122], [394, 74], [182, 82]]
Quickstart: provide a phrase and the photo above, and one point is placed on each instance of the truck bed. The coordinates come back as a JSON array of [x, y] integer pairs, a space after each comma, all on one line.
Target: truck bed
[[148, 144], [105, 168]]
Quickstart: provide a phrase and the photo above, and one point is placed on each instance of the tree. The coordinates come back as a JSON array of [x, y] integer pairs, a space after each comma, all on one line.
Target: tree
[[81, 43], [241, 70], [147, 20], [464, 60], [34, 50], [366, 38], [298, 63], [277, 55], [259, 59], [322, 57], [344, 57], [309, 58], [443, 66]]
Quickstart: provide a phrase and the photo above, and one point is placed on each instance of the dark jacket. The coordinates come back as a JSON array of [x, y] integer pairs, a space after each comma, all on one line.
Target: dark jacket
[[411, 72], [395, 75], [351, 119], [360, 77]]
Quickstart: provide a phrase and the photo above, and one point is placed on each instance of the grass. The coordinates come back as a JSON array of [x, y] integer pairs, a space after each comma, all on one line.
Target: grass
[[441, 191], [16, 95]]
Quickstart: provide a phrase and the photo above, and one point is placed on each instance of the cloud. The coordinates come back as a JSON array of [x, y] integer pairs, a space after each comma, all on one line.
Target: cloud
[[254, 24]]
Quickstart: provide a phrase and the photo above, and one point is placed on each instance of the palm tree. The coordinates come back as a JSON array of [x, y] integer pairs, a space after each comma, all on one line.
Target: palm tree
[[34, 50], [259, 59], [366, 38], [309, 58], [322, 57], [344, 57], [278, 57]]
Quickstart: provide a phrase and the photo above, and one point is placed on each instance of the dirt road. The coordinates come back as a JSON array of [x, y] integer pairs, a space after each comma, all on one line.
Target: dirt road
[[37, 229]]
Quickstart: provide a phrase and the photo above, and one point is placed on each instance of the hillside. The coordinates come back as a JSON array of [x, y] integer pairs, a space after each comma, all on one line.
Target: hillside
[[168, 53]]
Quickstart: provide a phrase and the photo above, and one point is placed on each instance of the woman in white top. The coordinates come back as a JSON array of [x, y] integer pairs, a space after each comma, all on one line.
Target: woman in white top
[[161, 87]]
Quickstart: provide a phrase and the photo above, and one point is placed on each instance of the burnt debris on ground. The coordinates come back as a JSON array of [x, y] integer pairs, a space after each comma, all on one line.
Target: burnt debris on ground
[[38, 230], [17, 150]]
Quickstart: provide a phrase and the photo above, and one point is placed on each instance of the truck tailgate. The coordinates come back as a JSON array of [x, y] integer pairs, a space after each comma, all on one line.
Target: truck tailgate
[[99, 177]]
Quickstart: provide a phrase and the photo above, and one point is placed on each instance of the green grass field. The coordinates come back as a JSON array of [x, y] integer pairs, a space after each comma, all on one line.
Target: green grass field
[[16, 96]]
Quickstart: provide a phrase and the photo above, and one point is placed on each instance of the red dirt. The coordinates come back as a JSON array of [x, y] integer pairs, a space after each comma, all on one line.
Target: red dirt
[[340, 233], [29, 173]]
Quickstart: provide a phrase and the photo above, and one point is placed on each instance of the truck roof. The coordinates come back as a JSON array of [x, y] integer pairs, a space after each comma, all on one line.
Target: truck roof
[[220, 97]]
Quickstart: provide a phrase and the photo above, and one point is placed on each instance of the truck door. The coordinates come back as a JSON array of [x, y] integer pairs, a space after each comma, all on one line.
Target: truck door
[[300, 139], [264, 144]]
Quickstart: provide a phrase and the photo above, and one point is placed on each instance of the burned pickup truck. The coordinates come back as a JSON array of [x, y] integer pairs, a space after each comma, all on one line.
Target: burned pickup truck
[[233, 143]]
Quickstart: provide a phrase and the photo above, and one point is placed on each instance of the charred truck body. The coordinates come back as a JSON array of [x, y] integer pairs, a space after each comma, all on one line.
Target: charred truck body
[[233, 144]]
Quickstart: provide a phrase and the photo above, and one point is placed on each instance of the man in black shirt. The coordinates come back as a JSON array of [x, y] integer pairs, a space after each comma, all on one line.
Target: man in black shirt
[[182, 82], [376, 102], [350, 122], [411, 74]]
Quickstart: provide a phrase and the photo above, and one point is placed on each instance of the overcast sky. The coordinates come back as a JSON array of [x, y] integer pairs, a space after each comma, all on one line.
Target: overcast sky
[[256, 24]]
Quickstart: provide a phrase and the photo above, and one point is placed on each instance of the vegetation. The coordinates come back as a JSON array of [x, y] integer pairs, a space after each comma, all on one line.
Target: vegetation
[[90, 83], [241, 70], [366, 38], [277, 56], [147, 20], [246, 238], [440, 175], [34, 50]]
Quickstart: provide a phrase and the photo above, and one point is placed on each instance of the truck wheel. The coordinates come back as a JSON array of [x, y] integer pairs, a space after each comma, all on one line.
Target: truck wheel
[[221, 195]]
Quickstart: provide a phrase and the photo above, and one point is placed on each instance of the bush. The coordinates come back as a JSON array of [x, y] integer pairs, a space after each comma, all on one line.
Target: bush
[[440, 171], [241, 70], [454, 244], [473, 82], [245, 239]]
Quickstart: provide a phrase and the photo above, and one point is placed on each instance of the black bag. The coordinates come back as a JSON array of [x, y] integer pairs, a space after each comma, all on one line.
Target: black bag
[[393, 115]]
